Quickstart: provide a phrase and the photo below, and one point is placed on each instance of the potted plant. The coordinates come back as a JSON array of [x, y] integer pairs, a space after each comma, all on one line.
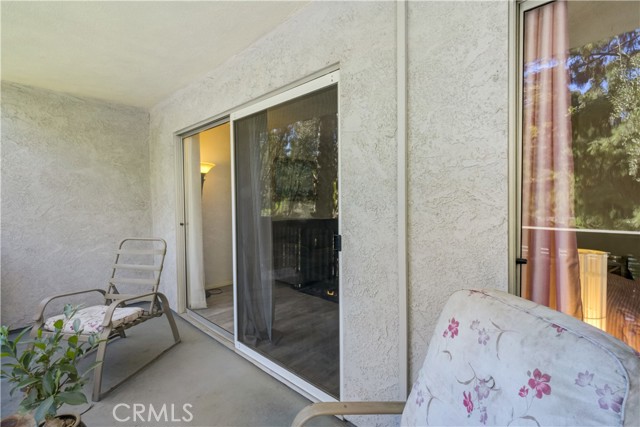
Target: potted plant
[[46, 372]]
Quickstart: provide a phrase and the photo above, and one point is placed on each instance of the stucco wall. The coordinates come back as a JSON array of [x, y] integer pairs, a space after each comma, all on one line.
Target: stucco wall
[[458, 146], [360, 36], [75, 180]]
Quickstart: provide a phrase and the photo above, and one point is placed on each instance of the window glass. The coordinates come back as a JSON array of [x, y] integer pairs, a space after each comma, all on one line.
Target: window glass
[[287, 226], [581, 162]]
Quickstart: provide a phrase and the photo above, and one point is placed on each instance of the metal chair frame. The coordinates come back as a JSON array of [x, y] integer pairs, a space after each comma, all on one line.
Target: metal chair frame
[[158, 303]]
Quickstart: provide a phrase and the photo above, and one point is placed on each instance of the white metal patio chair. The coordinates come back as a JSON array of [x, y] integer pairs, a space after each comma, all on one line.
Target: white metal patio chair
[[138, 266]]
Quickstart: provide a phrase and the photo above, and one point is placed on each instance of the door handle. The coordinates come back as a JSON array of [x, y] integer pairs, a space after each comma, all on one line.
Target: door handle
[[521, 261], [337, 242]]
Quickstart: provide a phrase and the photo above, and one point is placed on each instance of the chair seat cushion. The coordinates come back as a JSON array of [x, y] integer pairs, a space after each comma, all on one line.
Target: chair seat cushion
[[91, 318]]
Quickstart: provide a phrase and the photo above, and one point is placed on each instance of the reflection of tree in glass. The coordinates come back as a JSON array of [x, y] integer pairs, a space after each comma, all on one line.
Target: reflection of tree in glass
[[299, 168], [605, 115]]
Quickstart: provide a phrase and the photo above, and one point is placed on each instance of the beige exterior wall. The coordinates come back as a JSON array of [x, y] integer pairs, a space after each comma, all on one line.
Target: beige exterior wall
[[75, 181]]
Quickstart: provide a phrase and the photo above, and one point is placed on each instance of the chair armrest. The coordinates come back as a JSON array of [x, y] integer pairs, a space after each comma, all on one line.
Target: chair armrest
[[112, 307], [43, 304], [346, 408]]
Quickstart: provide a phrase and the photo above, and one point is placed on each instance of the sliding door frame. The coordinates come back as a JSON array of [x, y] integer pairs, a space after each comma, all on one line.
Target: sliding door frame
[[516, 51], [309, 389]]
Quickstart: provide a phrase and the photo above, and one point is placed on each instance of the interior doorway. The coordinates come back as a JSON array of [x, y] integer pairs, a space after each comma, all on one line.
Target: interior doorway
[[208, 232]]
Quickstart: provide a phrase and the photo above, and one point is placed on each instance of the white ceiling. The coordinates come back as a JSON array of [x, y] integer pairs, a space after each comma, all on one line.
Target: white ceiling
[[135, 53]]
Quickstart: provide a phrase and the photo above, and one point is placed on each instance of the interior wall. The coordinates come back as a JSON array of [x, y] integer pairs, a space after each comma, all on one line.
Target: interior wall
[[75, 181], [360, 37], [216, 207], [458, 164]]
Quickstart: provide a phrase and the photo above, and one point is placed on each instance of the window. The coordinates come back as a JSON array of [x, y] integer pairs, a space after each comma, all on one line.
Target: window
[[580, 170]]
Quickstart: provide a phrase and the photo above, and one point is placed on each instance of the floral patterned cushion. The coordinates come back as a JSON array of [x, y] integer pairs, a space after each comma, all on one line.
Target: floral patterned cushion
[[496, 359], [91, 318]]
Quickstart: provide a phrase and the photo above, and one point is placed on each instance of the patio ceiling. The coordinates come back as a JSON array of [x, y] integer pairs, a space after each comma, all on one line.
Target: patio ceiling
[[134, 53]]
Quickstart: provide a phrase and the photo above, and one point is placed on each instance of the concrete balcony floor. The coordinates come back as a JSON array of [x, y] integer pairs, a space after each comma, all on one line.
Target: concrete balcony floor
[[222, 387]]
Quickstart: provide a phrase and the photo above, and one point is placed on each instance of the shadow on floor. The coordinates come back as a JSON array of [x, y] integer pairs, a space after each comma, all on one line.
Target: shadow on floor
[[200, 383]]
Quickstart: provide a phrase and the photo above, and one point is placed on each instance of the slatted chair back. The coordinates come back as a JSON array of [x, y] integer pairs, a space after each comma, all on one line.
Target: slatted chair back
[[137, 269]]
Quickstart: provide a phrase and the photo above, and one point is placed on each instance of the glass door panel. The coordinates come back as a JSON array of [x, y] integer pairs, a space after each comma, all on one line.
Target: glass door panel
[[287, 222], [581, 162]]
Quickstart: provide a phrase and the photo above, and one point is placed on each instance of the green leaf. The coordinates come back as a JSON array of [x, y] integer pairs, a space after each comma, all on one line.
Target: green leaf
[[27, 381], [72, 397], [69, 310], [58, 324], [8, 350], [18, 371], [45, 408], [76, 327], [68, 368], [73, 340], [25, 359], [21, 334], [48, 383], [31, 400]]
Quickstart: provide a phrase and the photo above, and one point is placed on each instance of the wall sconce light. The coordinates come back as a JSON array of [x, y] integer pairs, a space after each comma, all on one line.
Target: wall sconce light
[[593, 284], [205, 167]]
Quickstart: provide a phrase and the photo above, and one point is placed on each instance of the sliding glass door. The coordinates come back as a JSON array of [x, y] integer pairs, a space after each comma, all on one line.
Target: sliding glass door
[[287, 237]]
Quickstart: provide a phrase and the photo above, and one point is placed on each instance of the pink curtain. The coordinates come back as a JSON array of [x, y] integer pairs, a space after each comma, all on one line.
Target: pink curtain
[[552, 275]]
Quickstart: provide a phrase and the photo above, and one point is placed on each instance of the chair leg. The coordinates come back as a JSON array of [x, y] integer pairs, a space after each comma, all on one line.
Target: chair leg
[[167, 312], [97, 372]]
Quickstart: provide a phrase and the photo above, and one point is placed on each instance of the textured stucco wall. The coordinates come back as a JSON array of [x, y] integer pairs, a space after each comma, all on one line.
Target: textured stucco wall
[[458, 145], [75, 180], [360, 36]]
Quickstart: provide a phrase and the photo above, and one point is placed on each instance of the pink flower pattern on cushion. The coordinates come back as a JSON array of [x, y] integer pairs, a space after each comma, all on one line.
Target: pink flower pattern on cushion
[[468, 403], [540, 383], [483, 415], [452, 328], [585, 379], [482, 389], [609, 399], [524, 391]]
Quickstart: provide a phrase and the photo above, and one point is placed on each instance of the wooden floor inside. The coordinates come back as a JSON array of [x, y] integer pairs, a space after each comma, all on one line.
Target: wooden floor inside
[[219, 309], [306, 338]]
